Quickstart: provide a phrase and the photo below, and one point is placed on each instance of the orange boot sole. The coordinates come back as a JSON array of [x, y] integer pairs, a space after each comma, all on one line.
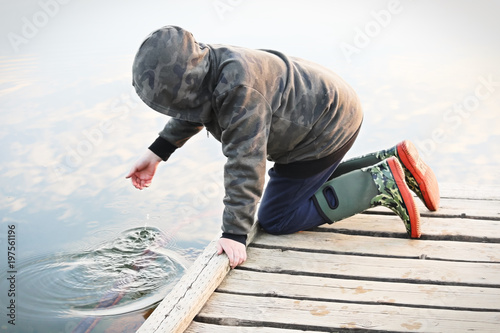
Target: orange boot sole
[[423, 174]]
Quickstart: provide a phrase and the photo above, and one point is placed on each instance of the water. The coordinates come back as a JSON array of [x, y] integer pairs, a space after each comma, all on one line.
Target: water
[[71, 127], [126, 275]]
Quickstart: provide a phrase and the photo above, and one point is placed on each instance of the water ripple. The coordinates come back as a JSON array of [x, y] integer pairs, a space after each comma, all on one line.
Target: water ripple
[[129, 274]]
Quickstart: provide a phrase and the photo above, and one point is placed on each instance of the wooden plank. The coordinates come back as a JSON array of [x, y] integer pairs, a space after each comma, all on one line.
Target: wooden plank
[[359, 291], [480, 192], [432, 228], [373, 268], [241, 310], [449, 207], [177, 310], [197, 327], [377, 246]]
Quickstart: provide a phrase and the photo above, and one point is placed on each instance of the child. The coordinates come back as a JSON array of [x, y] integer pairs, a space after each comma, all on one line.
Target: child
[[262, 104]]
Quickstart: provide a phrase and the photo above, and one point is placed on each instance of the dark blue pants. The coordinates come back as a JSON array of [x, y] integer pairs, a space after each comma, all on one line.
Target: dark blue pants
[[287, 205]]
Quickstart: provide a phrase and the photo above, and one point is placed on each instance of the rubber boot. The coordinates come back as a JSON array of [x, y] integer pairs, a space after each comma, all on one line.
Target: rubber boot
[[418, 175], [382, 184]]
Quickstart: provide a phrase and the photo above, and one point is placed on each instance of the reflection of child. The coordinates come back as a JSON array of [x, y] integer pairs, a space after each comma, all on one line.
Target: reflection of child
[[265, 105]]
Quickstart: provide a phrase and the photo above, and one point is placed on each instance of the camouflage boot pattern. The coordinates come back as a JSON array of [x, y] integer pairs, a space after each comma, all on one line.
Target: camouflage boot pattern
[[410, 180], [394, 194], [382, 184], [418, 176]]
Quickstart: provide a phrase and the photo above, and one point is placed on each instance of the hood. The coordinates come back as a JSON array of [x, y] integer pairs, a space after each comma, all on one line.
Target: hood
[[171, 74]]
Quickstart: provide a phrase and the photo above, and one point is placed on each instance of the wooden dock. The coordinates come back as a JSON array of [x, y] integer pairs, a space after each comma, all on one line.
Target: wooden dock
[[360, 274]]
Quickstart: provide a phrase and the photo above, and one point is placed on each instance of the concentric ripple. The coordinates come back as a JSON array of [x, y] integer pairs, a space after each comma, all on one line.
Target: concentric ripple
[[131, 273]]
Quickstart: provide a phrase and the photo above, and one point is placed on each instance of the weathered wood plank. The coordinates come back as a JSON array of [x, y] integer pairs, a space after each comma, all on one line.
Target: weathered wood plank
[[197, 327], [373, 268], [240, 310], [467, 207], [177, 310], [378, 246], [359, 291], [432, 228], [481, 192], [477, 209]]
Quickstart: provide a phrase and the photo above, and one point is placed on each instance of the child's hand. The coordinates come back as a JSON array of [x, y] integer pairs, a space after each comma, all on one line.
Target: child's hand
[[144, 169], [236, 252]]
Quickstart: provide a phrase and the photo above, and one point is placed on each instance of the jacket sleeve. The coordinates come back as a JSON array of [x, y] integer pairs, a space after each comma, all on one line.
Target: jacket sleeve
[[174, 135], [245, 117]]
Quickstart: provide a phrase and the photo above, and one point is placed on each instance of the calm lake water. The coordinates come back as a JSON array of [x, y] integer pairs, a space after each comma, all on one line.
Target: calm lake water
[[91, 250]]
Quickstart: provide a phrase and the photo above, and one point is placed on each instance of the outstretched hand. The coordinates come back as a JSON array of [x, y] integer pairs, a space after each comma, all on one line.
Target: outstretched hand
[[144, 169], [236, 252]]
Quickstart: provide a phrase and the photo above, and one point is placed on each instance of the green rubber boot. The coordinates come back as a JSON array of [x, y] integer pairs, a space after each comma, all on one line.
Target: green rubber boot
[[419, 176], [382, 184]]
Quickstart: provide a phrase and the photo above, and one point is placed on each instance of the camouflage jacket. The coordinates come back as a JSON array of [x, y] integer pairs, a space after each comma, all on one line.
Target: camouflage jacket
[[259, 104]]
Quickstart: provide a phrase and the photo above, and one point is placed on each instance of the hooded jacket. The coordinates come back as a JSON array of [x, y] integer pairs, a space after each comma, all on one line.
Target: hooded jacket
[[260, 104]]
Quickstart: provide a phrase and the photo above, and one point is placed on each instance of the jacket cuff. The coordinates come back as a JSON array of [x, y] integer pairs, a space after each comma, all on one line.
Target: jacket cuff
[[239, 238], [162, 148]]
